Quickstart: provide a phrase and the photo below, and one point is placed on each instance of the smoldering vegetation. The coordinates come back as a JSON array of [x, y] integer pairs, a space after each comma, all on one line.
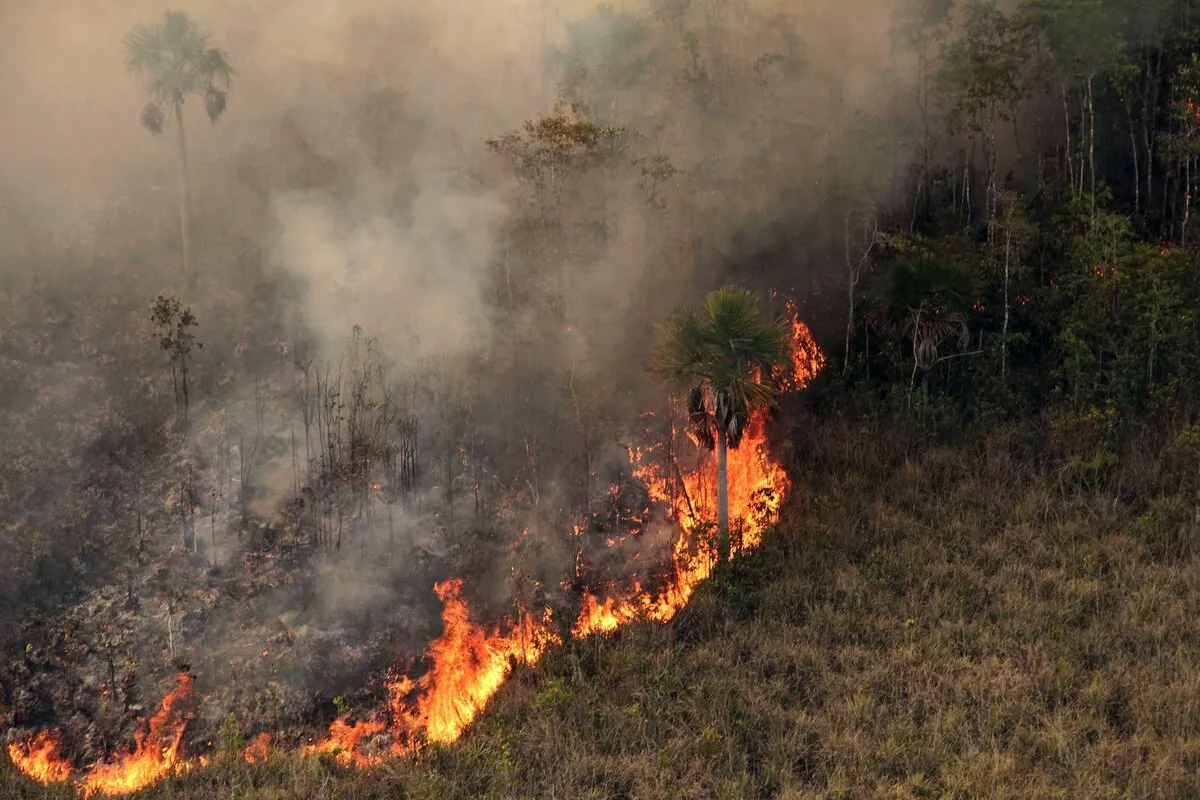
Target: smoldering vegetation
[[431, 245]]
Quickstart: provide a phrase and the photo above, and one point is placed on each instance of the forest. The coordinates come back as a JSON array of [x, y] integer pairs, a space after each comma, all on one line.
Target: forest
[[654, 399]]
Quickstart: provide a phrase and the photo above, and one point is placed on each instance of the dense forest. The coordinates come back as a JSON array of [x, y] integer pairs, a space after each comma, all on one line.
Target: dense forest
[[331, 409]]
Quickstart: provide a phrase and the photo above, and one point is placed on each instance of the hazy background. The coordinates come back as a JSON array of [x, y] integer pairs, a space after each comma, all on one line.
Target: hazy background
[[349, 184]]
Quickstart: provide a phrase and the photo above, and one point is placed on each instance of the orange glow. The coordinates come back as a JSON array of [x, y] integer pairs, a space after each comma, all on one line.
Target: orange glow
[[807, 359], [470, 661], [343, 741], [156, 750], [469, 664], [256, 752], [39, 758], [757, 486]]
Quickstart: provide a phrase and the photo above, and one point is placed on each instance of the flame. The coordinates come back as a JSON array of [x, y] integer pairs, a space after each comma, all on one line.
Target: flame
[[39, 758], [156, 750], [343, 740], [470, 661], [469, 664], [256, 752], [807, 359], [757, 486]]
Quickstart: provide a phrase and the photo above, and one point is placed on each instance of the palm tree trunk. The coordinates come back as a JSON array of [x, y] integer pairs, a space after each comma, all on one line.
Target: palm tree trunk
[[722, 499], [184, 199]]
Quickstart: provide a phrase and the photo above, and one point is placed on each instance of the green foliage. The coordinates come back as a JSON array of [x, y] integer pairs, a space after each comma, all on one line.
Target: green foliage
[[923, 300], [983, 71], [605, 53], [178, 61], [725, 355], [557, 145], [230, 742], [556, 695], [174, 322]]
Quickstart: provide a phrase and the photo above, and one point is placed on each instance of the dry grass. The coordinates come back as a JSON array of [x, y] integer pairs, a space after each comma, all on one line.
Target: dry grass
[[936, 621]]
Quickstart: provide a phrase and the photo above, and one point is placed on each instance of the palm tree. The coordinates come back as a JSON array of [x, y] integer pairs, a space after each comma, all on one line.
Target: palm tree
[[924, 300], [176, 58], [724, 355]]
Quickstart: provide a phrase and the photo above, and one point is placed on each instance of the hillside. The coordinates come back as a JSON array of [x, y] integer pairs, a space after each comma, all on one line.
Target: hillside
[[932, 619], [363, 361]]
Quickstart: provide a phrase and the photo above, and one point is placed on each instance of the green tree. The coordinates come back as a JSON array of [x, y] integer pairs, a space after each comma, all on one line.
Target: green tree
[[983, 82], [924, 301], [1082, 40], [724, 354], [177, 61]]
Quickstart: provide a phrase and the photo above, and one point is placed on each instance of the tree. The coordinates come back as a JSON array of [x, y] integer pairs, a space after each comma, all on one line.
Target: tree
[[176, 58], [1083, 40], [725, 355], [982, 80], [176, 339], [924, 300]]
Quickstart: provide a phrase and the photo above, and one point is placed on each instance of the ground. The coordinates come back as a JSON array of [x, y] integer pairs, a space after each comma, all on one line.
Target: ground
[[931, 619]]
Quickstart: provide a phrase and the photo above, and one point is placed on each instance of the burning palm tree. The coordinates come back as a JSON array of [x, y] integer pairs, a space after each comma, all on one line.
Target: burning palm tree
[[725, 355], [176, 58]]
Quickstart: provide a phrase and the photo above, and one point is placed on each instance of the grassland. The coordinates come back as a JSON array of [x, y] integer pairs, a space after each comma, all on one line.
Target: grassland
[[964, 617]]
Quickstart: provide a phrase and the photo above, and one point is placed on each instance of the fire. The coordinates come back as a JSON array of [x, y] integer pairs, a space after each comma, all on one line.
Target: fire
[[470, 661], [343, 741], [156, 750], [39, 758], [807, 359], [757, 486], [469, 664], [257, 751]]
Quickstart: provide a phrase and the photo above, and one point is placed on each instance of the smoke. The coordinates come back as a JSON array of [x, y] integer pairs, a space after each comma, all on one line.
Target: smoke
[[350, 186]]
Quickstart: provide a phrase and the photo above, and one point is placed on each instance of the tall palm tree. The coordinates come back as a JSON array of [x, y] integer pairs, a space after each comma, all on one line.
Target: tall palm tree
[[175, 56], [724, 355]]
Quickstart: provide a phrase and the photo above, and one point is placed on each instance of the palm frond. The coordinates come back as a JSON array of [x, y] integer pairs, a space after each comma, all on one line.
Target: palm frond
[[214, 103], [683, 348], [931, 329], [152, 118], [700, 418], [928, 280], [723, 353], [176, 56], [144, 49], [216, 67]]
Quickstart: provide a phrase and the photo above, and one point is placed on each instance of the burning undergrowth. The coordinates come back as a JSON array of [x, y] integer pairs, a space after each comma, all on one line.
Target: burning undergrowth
[[640, 552]]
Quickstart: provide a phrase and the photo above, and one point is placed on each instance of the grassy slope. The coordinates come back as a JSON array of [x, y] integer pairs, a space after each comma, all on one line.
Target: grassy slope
[[936, 621]]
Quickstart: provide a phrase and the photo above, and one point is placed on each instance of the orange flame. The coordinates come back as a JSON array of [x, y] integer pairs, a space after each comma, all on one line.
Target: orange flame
[[259, 748], [807, 359], [469, 665], [471, 662], [343, 741], [757, 485], [156, 751], [39, 758]]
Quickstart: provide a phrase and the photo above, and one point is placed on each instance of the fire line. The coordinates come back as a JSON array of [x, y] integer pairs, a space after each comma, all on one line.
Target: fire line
[[471, 662]]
